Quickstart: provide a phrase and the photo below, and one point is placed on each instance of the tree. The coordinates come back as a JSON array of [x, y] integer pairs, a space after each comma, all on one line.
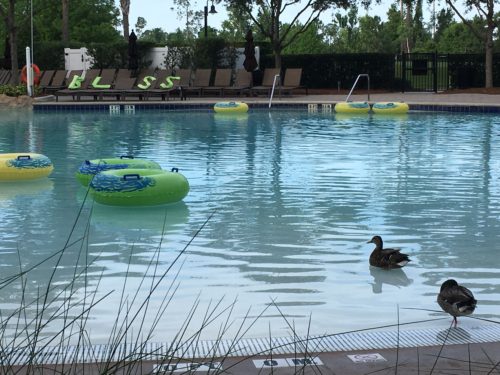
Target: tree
[[371, 37], [342, 31], [235, 27], [65, 22], [392, 29], [444, 19], [125, 8], [89, 21], [310, 41], [156, 35], [458, 38], [8, 12], [267, 18], [184, 10], [485, 10], [140, 25]]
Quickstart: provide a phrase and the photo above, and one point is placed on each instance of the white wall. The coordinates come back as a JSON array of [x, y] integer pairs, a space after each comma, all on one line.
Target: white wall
[[77, 59], [157, 57]]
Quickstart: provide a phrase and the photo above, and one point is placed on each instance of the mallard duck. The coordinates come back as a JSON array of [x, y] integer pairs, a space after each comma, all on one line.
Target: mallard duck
[[456, 299], [386, 258]]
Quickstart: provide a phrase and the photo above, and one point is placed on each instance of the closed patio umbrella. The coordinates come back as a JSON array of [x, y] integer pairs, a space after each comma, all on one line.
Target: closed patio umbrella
[[250, 63], [133, 55]]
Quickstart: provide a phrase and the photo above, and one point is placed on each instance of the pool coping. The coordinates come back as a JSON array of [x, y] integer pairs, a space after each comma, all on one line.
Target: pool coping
[[478, 103], [311, 107], [298, 346]]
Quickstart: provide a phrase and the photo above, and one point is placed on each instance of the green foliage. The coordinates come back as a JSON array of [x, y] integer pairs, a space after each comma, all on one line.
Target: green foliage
[[11, 90], [89, 21], [209, 53], [235, 27], [156, 36], [310, 41], [266, 17], [107, 55], [458, 38], [50, 54]]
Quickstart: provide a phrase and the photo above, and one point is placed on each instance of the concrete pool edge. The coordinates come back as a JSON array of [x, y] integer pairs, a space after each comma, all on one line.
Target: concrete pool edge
[[254, 347], [321, 106]]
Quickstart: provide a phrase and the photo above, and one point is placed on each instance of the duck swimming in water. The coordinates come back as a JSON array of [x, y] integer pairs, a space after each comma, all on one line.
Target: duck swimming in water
[[456, 299], [386, 258]]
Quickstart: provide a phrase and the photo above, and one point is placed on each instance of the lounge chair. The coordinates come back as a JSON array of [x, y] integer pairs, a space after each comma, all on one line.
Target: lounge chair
[[4, 75], [141, 93], [96, 86], [120, 88], [88, 78], [8, 78], [201, 81], [45, 80], [292, 81], [159, 87], [222, 80], [57, 82], [123, 73], [182, 84], [267, 82], [242, 82]]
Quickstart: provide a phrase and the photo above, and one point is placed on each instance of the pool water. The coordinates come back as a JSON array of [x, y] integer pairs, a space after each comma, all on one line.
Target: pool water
[[279, 212]]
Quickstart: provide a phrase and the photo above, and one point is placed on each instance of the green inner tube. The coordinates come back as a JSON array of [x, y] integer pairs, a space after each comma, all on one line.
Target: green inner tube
[[89, 168], [138, 187]]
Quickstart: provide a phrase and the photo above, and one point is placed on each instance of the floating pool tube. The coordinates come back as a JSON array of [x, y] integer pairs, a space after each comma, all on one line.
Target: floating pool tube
[[231, 107], [390, 107], [89, 168], [138, 187], [28, 166], [352, 107]]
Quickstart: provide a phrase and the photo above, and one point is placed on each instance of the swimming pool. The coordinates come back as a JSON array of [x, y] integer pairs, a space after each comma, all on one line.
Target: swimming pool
[[294, 198]]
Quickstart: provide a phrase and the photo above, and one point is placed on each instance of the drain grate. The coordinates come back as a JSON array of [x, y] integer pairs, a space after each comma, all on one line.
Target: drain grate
[[257, 346]]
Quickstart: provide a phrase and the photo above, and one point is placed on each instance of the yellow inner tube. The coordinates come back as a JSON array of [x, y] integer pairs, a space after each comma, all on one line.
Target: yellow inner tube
[[24, 166], [352, 107], [390, 107], [231, 107]]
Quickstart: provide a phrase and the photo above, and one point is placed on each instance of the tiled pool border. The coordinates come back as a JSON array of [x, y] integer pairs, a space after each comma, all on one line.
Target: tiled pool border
[[249, 347], [165, 106]]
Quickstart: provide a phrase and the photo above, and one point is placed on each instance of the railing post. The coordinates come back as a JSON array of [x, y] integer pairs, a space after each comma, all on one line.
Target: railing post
[[403, 71], [435, 72]]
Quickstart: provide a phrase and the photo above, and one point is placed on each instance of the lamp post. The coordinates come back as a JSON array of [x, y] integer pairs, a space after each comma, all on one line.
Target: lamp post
[[212, 11]]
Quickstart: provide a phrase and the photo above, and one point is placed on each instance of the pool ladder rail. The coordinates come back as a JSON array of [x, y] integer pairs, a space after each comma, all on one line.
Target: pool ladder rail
[[356, 82], [276, 79]]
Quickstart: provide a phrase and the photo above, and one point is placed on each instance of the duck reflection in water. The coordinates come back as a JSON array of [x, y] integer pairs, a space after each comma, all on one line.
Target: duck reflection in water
[[396, 277]]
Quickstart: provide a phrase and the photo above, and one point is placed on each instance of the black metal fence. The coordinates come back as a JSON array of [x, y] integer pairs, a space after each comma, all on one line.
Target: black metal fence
[[431, 72]]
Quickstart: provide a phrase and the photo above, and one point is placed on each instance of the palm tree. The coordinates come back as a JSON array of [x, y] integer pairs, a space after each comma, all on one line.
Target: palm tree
[[65, 22], [125, 7]]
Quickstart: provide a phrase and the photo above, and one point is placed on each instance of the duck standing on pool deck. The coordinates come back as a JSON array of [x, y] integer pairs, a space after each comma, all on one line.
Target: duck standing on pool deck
[[386, 258], [456, 299]]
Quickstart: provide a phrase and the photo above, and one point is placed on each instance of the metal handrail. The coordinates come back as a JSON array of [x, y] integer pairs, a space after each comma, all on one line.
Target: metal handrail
[[272, 90], [356, 82]]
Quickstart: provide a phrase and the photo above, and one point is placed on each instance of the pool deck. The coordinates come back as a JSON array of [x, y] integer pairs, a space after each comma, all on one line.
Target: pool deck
[[454, 358]]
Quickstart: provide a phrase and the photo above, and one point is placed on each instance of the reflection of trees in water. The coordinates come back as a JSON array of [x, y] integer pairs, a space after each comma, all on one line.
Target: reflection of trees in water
[[257, 221]]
